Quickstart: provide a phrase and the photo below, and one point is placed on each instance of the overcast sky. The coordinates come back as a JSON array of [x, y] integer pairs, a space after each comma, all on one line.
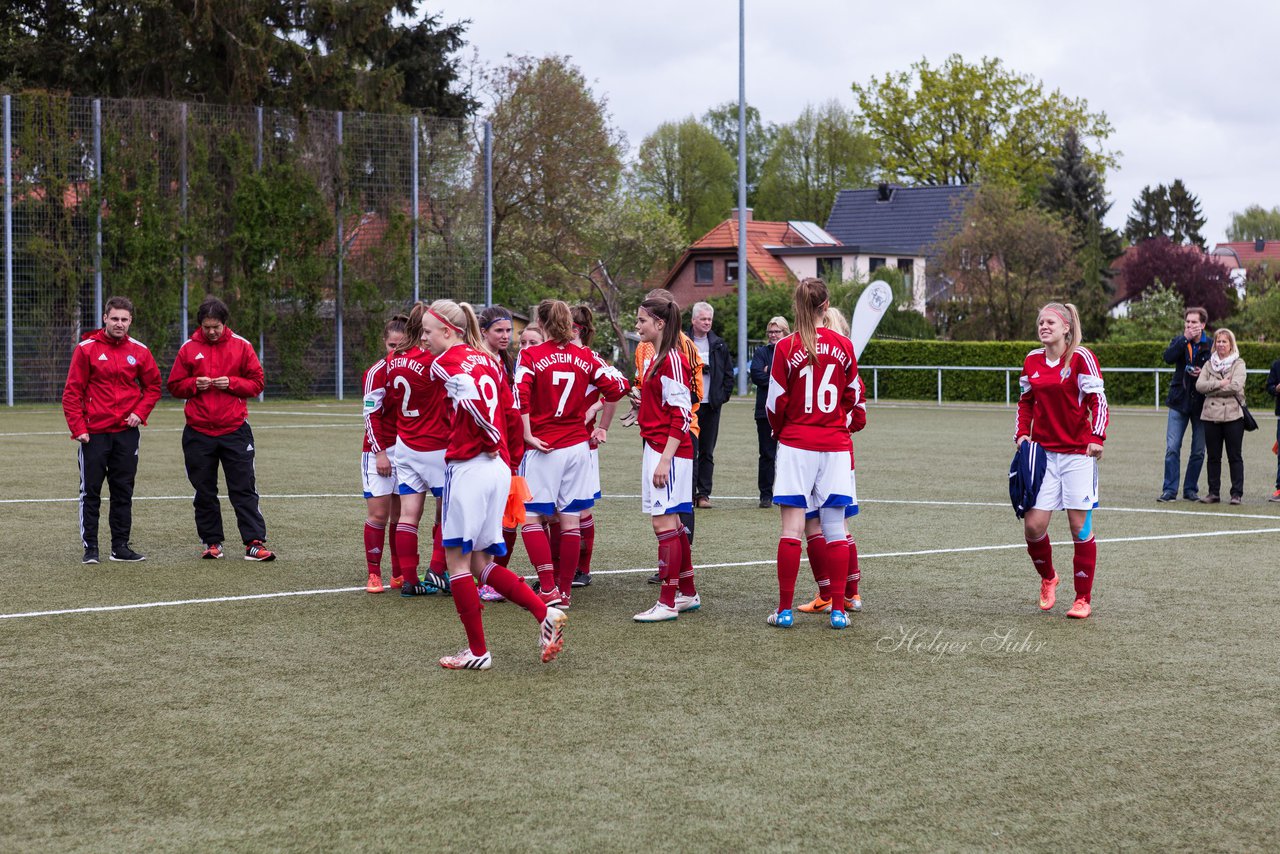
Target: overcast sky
[[1192, 88]]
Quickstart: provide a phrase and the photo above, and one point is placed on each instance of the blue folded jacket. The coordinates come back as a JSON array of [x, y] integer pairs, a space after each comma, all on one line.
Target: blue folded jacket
[[1025, 474]]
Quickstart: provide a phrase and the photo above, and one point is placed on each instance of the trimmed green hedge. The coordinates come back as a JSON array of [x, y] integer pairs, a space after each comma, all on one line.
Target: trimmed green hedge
[[1122, 388]]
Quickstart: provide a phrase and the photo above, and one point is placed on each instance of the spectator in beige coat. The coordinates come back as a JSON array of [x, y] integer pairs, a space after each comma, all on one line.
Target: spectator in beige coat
[[1221, 382]]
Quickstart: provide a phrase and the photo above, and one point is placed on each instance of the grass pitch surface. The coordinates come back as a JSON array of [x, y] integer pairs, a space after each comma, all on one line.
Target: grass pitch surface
[[952, 714]]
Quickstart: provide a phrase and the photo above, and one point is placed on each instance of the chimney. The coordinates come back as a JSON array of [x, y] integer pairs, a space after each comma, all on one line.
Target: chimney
[[733, 215], [1259, 244], [884, 192]]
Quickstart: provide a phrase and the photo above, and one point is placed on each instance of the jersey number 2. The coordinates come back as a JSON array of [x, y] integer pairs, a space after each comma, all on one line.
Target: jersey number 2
[[403, 384]]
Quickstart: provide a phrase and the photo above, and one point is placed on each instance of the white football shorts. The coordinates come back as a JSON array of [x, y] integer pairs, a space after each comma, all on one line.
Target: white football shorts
[[375, 485], [419, 471], [1070, 482], [559, 480], [676, 496], [473, 501], [813, 479], [594, 476]]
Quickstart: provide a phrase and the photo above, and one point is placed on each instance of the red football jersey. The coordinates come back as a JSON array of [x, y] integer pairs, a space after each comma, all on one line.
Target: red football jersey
[[554, 386], [478, 403], [666, 405], [812, 406], [421, 413], [1062, 407], [379, 420]]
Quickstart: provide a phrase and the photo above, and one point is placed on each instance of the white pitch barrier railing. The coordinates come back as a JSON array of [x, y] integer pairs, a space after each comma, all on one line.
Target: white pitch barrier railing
[[1009, 373]]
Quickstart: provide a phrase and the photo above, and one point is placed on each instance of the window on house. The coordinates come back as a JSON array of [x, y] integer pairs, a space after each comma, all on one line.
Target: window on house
[[704, 272], [731, 271], [876, 264], [831, 269], [907, 267]]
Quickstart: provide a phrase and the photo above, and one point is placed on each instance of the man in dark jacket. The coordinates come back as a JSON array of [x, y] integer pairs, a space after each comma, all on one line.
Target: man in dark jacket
[[717, 387], [1273, 389], [761, 363], [1187, 353]]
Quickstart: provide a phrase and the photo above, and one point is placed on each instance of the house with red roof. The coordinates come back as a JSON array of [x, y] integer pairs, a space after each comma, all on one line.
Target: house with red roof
[[1239, 256]]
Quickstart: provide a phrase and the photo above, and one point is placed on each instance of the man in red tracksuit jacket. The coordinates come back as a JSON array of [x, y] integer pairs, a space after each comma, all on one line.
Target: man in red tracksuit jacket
[[112, 386], [215, 372]]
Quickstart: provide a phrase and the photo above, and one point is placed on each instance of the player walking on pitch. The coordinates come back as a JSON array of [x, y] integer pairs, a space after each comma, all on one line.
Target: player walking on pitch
[[1063, 409], [377, 468], [814, 392], [477, 480]]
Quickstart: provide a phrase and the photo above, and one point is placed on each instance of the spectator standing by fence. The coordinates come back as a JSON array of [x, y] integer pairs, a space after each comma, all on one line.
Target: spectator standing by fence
[[761, 362], [1187, 353], [1273, 389], [112, 386], [717, 388], [1222, 384], [216, 371]]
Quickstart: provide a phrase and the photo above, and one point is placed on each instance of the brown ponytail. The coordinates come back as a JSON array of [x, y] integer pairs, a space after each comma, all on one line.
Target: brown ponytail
[[668, 311], [555, 320], [585, 320], [462, 317], [810, 302], [412, 328]]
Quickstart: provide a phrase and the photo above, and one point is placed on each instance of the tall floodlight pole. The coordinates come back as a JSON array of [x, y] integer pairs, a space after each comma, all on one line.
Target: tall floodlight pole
[[742, 197], [8, 252], [488, 213]]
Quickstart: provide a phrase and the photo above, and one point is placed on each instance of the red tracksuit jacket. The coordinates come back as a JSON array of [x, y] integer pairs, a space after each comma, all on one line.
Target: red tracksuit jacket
[[215, 411], [108, 380]]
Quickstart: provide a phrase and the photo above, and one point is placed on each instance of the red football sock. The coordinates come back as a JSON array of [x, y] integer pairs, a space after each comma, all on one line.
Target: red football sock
[[669, 555], [392, 544], [508, 540], [466, 599], [539, 549], [373, 535], [570, 550], [1041, 555], [1086, 561], [437, 564], [587, 527], [855, 573], [686, 565], [407, 546], [838, 566], [553, 537], [788, 569], [817, 548], [513, 588]]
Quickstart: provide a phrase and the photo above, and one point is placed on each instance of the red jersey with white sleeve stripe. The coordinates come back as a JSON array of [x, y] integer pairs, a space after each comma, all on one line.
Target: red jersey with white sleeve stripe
[[554, 386], [421, 415], [379, 420], [1062, 407], [478, 404], [666, 404], [811, 405]]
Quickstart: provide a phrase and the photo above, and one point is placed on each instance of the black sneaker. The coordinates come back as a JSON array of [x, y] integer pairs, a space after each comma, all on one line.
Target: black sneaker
[[90, 554], [655, 579], [124, 554], [1191, 496], [1167, 496], [439, 582], [422, 588], [766, 502], [581, 579]]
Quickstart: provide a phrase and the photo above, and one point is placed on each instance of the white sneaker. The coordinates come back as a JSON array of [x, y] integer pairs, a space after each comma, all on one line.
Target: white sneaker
[[659, 613], [467, 660], [551, 637], [688, 603]]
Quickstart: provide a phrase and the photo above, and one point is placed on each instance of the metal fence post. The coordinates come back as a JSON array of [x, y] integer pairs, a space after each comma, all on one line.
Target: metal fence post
[[97, 247], [488, 213], [1157, 373], [939, 386], [262, 334], [1006, 388], [182, 202], [413, 200], [337, 303], [875, 384], [8, 250]]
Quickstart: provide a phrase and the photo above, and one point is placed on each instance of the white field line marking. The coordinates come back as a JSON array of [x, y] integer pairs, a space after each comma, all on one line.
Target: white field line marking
[[176, 498], [646, 570], [150, 430]]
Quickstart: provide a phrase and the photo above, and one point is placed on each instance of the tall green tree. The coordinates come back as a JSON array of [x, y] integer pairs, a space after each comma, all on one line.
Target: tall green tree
[[684, 168], [373, 55], [813, 158], [722, 121], [1255, 222], [962, 123], [1172, 212]]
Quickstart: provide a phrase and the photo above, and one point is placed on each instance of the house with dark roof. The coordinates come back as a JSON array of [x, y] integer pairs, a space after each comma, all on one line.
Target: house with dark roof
[[900, 227]]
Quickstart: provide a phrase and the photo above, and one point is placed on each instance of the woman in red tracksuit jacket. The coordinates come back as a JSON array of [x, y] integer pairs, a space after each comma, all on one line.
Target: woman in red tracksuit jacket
[[215, 372]]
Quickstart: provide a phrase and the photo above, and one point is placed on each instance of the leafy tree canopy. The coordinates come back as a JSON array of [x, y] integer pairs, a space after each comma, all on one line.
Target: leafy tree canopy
[[684, 168], [1255, 222], [1172, 212], [722, 121], [1187, 269]]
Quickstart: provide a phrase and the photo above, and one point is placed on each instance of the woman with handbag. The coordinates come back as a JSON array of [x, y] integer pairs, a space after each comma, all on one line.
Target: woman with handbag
[[1221, 382]]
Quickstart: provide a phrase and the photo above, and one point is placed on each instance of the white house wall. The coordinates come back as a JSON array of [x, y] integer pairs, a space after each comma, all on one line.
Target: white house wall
[[858, 267]]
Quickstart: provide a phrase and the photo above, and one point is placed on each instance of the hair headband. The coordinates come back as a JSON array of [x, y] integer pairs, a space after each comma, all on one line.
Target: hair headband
[[446, 321]]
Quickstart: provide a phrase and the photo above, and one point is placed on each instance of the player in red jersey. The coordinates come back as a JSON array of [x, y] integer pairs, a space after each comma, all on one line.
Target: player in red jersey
[[1064, 409], [496, 328], [814, 392], [478, 477], [422, 434], [599, 419], [513, 520], [554, 381], [666, 472], [816, 542], [377, 471]]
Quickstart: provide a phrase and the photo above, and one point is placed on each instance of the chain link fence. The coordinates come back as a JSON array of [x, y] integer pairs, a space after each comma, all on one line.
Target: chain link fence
[[313, 228]]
